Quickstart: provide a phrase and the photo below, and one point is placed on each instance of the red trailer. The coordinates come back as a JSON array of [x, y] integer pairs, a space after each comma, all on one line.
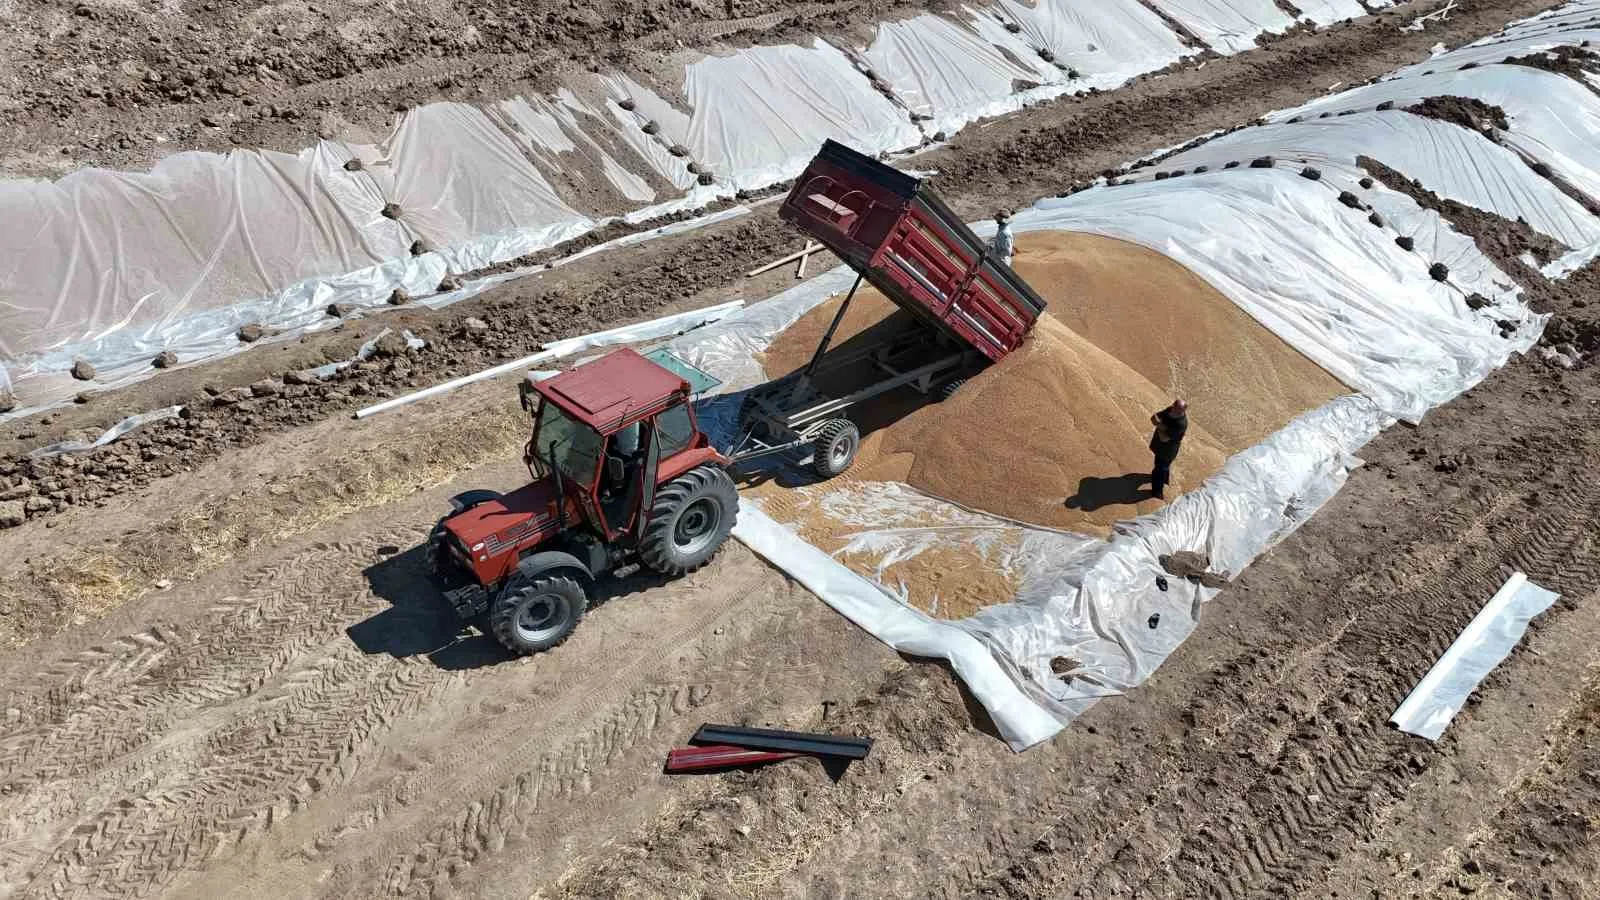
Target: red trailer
[[899, 236], [893, 230]]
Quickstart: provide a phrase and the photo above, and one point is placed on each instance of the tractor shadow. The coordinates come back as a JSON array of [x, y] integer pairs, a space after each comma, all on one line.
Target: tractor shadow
[[420, 622], [1123, 490]]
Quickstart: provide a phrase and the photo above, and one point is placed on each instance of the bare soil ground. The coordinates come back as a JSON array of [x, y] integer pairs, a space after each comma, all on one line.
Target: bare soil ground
[[236, 682]]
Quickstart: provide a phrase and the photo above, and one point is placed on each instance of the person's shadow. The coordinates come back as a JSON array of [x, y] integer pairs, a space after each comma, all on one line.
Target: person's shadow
[[1123, 490]]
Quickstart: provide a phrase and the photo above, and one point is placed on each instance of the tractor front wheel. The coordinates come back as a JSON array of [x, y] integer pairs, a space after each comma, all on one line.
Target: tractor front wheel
[[535, 614], [689, 521], [835, 447]]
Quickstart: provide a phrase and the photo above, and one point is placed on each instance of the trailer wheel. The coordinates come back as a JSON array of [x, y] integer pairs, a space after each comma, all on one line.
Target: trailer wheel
[[949, 389], [835, 447], [535, 614], [690, 520]]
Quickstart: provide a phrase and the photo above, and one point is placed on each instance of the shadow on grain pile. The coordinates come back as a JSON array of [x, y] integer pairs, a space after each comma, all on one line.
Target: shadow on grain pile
[[1057, 433]]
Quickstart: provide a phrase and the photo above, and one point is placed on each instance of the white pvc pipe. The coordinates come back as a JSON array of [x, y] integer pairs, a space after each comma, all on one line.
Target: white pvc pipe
[[537, 358]]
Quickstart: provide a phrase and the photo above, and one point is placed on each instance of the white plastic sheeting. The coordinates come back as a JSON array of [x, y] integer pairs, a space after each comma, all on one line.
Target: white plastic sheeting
[[463, 184], [1327, 12], [1318, 275], [1482, 645], [1569, 25], [757, 116], [1107, 41], [951, 75], [1449, 160], [1322, 276], [114, 433], [1554, 119], [1022, 721], [1227, 26], [114, 264], [1096, 602], [1350, 297], [760, 114], [548, 127]]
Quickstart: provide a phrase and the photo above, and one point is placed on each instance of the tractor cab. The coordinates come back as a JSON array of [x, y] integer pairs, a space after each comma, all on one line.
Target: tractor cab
[[621, 475], [601, 433]]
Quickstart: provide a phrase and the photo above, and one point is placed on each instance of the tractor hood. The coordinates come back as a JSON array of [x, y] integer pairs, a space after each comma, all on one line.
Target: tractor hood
[[515, 519]]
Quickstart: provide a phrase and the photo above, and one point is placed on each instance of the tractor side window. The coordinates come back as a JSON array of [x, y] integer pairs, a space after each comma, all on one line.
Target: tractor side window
[[674, 430]]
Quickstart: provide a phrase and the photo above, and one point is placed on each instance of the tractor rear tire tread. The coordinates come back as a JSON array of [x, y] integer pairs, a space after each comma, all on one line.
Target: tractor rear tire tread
[[659, 550], [504, 610], [949, 389]]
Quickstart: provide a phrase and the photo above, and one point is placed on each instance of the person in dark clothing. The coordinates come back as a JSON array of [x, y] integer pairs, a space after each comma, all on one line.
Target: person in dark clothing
[[1170, 423]]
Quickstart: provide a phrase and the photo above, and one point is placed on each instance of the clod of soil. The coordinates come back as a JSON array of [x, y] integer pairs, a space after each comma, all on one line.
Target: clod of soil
[[166, 359], [390, 345], [1406, 242], [1439, 272], [391, 211], [1057, 433], [1195, 567], [252, 333], [353, 165], [82, 370], [8, 400], [399, 297], [1467, 112], [340, 310]]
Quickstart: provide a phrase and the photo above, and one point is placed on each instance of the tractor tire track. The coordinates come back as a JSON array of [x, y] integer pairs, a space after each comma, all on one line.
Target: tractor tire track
[[1319, 789], [257, 772], [549, 763], [91, 717], [1306, 719]]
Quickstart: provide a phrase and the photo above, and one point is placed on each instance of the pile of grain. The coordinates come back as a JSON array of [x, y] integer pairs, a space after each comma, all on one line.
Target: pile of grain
[[1057, 433]]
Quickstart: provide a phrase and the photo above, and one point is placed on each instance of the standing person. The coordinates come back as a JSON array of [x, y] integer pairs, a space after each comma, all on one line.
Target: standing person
[[1002, 245], [1170, 423]]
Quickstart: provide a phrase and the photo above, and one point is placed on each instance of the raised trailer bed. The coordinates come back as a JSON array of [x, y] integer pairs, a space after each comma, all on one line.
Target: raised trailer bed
[[897, 235]]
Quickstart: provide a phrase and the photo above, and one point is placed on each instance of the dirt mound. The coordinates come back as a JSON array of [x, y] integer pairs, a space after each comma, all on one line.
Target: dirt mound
[[1058, 433]]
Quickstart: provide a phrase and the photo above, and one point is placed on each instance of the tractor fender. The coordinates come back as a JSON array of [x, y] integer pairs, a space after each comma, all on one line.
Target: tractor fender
[[535, 565], [468, 499]]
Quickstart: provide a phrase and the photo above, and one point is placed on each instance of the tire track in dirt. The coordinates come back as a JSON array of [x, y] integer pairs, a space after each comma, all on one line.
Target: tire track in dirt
[[82, 722], [1326, 767], [253, 773], [554, 758]]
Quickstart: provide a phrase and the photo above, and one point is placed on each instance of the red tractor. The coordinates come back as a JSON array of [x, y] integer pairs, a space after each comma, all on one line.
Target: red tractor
[[622, 478]]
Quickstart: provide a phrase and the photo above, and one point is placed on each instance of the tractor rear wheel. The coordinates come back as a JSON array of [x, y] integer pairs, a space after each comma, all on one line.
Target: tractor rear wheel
[[535, 614], [949, 388], [689, 521], [835, 447]]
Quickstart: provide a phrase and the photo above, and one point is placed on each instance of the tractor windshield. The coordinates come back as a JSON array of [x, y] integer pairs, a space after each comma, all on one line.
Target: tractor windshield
[[577, 446]]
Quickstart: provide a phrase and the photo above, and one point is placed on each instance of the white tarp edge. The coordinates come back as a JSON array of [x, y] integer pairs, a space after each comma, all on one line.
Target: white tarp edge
[[1022, 722], [115, 432], [1482, 646]]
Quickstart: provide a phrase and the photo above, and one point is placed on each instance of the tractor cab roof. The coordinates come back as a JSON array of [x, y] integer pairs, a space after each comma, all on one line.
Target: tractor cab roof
[[609, 392]]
